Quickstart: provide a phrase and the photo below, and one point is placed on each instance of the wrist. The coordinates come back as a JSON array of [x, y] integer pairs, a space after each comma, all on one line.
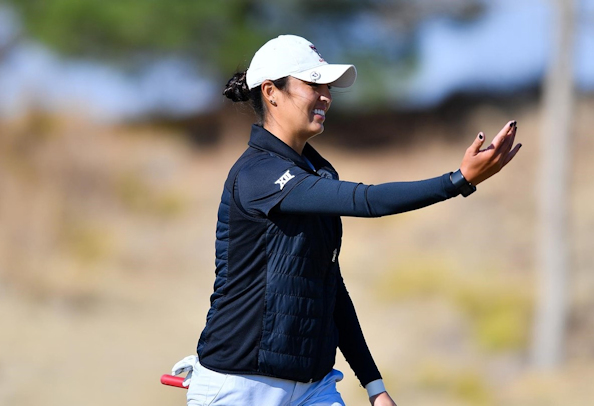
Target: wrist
[[375, 387], [464, 186]]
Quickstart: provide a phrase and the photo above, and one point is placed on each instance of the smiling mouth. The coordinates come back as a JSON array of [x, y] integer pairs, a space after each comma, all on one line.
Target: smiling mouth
[[320, 112]]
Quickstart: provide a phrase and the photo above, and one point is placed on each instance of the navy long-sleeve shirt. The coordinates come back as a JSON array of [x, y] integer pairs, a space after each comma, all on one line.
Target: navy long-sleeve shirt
[[281, 197], [316, 195]]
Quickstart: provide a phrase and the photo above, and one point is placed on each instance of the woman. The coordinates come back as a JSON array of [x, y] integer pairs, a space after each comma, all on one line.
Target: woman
[[280, 307]]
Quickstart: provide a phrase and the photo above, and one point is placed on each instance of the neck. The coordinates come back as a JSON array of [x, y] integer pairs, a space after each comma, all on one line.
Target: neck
[[295, 141]]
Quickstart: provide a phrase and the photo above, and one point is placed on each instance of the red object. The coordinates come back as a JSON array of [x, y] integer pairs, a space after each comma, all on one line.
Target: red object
[[173, 381]]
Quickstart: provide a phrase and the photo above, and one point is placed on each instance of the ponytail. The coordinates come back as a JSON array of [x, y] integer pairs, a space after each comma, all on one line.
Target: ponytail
[[237, 90]]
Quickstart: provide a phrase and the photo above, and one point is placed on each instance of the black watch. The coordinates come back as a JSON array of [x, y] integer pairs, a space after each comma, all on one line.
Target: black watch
[[465, 187]]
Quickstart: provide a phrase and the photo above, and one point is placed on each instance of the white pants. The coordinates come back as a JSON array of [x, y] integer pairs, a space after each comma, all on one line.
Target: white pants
[[210, 388]]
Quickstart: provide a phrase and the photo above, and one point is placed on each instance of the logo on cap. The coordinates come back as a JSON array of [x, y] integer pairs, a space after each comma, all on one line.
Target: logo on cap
[[317, 52], [315, 76]]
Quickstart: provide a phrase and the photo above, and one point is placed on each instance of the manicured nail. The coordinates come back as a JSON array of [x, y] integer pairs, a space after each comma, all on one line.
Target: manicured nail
[[481, 136]]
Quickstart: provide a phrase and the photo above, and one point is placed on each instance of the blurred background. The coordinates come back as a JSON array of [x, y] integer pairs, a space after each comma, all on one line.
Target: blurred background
[[115, 142]]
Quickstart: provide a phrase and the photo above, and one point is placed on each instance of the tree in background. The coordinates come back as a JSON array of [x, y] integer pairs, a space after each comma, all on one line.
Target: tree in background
[[376, 35], [555, 164], [9, 31], [130, 32]]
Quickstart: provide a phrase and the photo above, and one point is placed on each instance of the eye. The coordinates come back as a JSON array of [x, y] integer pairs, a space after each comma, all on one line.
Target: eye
[[316, 85]]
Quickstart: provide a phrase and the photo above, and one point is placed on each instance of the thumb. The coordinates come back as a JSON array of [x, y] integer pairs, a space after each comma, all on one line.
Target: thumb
[[478, 143]]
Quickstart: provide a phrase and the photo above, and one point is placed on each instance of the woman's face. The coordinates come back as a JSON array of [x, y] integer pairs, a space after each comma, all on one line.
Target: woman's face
[[301, 108]]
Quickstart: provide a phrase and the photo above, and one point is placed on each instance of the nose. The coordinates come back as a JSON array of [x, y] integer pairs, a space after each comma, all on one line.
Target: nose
[[325, 94]]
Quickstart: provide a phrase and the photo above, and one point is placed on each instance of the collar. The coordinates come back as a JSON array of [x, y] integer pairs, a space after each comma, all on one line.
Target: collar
[[264, 140]]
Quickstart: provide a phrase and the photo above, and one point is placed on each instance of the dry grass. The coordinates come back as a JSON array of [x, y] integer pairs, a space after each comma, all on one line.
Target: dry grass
[[106, 266]]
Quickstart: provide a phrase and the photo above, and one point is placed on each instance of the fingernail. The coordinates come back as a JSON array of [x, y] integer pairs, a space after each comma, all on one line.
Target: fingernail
[[481, 136]]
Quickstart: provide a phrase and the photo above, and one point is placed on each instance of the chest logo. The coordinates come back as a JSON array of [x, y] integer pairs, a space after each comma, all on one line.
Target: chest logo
[[282, 181]]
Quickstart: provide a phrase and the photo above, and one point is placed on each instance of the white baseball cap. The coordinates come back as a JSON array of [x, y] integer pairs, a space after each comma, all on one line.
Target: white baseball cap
[[290, 55]]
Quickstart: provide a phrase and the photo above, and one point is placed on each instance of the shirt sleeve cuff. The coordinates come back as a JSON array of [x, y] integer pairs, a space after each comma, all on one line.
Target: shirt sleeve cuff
[[448, 185], [375, 387]]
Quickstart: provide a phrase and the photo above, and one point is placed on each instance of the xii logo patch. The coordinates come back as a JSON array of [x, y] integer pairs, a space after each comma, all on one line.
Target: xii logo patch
[[282, 181]]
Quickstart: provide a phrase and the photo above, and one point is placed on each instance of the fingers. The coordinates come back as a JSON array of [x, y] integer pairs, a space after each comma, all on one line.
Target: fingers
[[478, 165], [503, 135], [511, 154], [507, 142], [477, 143], [511, 137]]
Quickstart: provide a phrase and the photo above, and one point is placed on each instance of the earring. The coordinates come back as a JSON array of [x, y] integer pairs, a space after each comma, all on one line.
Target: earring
[[272, 102]]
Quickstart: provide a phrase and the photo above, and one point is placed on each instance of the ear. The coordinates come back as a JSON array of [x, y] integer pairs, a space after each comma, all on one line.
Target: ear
[[268, 89]]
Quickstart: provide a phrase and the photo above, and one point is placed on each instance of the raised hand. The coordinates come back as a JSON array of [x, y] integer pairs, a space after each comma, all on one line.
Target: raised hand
[[480, 164]]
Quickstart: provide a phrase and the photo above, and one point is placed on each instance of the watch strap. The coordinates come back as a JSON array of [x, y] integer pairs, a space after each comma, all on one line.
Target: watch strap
[[465, 187]]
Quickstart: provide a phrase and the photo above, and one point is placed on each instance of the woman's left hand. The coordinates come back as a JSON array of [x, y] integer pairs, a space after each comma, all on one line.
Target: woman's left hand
[[480, 164], [382, 399]]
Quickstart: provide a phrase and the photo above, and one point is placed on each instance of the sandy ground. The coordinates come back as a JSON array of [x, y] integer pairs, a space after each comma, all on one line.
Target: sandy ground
[[107, 253]]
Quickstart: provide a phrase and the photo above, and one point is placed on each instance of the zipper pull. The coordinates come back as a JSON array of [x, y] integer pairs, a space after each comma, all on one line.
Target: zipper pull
[[334, 253]]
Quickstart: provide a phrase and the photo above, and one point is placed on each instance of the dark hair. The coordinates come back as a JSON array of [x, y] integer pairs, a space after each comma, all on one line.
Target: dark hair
[[237, 90]]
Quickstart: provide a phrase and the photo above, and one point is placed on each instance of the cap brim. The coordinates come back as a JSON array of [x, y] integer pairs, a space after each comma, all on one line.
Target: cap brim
[[329, 74]]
